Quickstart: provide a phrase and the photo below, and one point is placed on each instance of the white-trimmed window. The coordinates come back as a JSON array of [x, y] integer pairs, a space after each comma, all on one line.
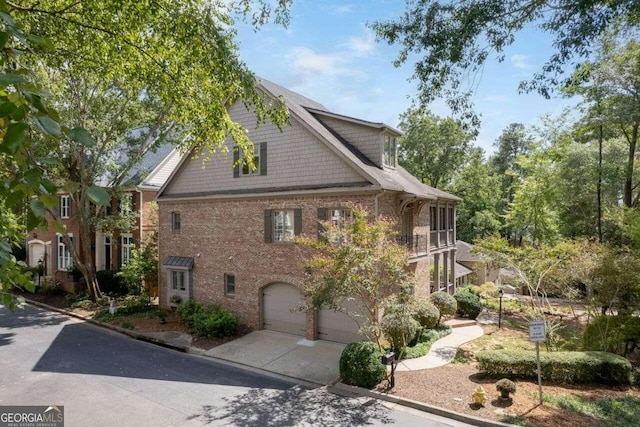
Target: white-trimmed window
[[283, 226], [126, 245], [65, 259], [338, 217], [65, 206], [229, 284], [175, 221], [390, 150], [178, 279]]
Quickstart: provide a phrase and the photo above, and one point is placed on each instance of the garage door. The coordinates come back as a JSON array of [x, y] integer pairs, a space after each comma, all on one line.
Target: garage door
[[338, 326], [278, 299]]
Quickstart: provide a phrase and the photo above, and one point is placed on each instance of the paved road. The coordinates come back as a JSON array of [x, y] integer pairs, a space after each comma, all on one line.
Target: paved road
[[105, 379]]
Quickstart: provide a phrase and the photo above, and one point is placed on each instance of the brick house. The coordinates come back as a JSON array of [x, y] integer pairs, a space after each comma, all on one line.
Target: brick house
[[225, 232], [111, 250]]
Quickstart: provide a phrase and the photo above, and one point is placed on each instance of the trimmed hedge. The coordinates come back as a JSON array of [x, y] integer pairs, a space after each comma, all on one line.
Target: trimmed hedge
[[446, 303], [361, 364], [469, 305], [561, 366], [426, 314], [399, 328]]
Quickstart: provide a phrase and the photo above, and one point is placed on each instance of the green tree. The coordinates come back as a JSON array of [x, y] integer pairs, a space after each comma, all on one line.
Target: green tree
[[367, 267], [452, 40], [118, 66], [432, 148], [480, 189]]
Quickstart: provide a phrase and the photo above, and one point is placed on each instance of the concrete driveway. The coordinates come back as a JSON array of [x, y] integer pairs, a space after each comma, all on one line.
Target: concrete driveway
[[284, 354]]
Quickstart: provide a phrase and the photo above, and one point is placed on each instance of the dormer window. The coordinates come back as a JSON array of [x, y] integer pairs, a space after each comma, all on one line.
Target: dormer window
[[390, 149]]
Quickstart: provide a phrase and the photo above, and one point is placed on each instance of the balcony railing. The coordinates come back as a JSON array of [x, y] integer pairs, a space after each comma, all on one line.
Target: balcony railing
[[441, 239], [416, 243]]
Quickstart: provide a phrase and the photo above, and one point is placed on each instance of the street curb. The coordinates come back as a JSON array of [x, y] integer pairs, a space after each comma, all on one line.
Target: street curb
[[414, 404], [335, 387], [130, 333]]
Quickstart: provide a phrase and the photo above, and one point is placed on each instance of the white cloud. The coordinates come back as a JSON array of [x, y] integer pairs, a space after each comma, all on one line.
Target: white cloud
[[342, 9], [520, 61], [361, 45], [308, 64]]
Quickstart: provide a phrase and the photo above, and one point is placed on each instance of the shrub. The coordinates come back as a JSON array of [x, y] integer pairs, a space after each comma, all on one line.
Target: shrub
[[426, 314], [110, 283], [425, 339], [561, 366], [506, 386], [469, 305], [187, 311], [215, 322], [162, 315], [211, 321], [446, 304], [617, 334], [487, 290], [361, 365], [49, 287], [400, 328]]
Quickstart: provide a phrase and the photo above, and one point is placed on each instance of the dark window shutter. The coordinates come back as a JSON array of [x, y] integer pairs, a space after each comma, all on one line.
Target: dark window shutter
[[60, 206], [268, 226], [134, 196], [297, 222], [70, 206], [322, 216], [236, 167], [263, 158]]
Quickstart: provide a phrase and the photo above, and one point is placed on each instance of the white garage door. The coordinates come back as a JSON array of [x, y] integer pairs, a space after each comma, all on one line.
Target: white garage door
[[338, 326], [278, 301]]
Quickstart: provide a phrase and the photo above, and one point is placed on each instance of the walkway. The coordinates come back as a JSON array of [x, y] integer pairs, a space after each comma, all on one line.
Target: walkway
[[442, 351]]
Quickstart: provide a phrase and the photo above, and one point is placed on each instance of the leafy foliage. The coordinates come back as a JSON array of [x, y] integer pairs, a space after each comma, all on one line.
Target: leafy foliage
[[211, 321], [617, 334], [445, 303], [400, 328], [452, 40], [560, 366], [469, 305], [360, 364], [426, 313], [368, 264]]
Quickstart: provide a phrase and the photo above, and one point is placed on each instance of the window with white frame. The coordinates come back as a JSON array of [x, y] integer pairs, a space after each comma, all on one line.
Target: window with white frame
[[178, 280], [338, 217], [229, 284], [246, 170], [283, 226], [65, 206], [390, 150], [65, 259], [175, 221], [126, 244]]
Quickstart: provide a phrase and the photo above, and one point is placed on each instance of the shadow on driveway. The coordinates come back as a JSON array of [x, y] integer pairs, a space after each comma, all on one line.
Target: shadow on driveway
[[295, 406], [29, 317], [80, 348]]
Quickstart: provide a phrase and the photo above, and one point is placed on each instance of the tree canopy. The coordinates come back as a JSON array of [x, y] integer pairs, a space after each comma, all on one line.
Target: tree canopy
[[453, 40]]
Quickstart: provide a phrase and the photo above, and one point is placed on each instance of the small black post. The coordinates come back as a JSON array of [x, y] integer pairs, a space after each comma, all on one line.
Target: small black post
[[393, 367], [500, 293], [40, 270]]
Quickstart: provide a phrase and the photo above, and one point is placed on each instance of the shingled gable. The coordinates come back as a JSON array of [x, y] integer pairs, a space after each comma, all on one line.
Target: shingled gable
[[305, 112], [397, 179]]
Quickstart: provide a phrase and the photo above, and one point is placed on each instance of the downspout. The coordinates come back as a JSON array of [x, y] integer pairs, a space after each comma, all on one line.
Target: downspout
[[375, 200], [140, 200]]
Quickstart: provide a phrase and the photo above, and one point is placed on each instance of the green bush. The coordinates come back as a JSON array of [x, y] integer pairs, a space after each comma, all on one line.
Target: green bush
[[446, 304], [215, 322], [361, 365], [425, 339], [469, 305], [426, 314], [400, 328], [110, 283], [210, 321], [617, 334], [49, 287], [561, 366], [186, 312]]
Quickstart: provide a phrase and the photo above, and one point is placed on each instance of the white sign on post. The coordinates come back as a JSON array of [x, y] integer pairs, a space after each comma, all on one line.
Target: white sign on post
[[536, 331]]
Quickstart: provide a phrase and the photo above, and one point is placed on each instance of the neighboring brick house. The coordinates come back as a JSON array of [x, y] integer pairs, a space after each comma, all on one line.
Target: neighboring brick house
[[225, 232], [111, 250]]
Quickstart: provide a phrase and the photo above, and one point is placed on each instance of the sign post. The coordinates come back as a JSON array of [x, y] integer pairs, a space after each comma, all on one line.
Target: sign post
[[537, 334]]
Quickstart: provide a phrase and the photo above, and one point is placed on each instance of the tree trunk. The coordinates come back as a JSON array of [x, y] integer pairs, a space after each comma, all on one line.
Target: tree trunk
[[599, 185], [628, 179]]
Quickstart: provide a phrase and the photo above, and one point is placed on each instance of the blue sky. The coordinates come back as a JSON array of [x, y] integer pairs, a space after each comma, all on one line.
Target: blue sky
[[328, 54]]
